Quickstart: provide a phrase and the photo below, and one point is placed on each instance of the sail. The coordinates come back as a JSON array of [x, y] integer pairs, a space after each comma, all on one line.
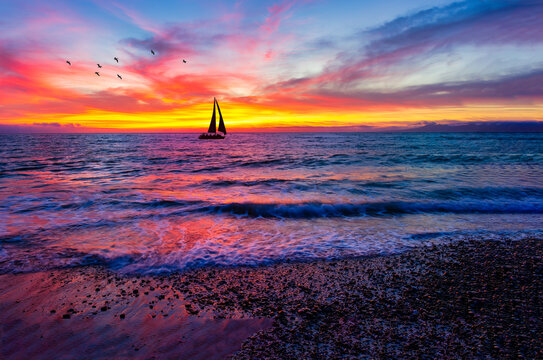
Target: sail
[[222, 128], [212, 125]]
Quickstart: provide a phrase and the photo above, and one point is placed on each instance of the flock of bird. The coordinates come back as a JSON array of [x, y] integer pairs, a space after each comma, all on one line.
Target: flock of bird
[[117, 60]]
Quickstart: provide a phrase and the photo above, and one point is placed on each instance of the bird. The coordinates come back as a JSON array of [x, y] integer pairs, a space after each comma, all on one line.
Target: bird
[[152, 52], [119, 76], [115, 58], [100, 66], [68, 62], [97, 73], [185, 61]]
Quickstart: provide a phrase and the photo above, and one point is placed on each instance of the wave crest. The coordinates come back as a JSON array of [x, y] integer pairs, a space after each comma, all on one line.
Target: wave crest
[[316, 210]]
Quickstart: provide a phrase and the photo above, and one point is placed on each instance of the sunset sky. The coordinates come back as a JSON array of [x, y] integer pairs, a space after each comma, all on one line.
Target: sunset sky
[[276, 65]]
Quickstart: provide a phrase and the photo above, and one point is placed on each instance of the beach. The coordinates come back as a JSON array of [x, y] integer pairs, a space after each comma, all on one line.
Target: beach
[[288, 246], [462, 299]]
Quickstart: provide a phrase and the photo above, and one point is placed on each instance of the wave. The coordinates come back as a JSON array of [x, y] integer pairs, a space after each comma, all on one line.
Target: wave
[[304, 210], [487, 193], [300, 184], [225, 183], [378, 187], [318, 210], [162, 203], [261, 163], [113, 203], [219, 254]]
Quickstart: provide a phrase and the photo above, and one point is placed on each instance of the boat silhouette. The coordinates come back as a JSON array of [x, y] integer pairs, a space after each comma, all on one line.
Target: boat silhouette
[[212, 131]]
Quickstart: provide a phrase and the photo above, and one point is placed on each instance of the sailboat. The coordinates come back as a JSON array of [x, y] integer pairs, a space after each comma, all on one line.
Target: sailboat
[[212, 131]]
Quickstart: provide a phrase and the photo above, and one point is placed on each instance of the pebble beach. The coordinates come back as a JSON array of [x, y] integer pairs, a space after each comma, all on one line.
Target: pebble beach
[[465, 299]]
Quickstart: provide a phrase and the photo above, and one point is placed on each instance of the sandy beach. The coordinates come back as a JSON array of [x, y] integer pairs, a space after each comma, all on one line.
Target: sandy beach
[[460, 300]]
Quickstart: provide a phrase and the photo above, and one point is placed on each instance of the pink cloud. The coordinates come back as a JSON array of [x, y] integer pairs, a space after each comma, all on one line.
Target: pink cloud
[[276, 15]]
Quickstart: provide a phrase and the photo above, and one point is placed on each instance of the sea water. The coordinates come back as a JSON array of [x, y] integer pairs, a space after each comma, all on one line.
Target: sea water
[[152, 203]]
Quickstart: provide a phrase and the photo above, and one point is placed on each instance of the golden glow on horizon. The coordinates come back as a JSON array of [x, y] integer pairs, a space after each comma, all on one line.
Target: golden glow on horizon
[[258, 117]]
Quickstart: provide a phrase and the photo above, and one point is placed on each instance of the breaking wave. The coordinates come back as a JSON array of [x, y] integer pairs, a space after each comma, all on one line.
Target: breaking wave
[[316, 210]]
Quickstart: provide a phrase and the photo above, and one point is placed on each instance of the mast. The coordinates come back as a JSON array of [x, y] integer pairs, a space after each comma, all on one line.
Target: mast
[[212, 125], [222, 128]]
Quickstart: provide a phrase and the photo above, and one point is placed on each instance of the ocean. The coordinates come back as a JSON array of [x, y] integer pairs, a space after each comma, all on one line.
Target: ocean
[[159, 203]]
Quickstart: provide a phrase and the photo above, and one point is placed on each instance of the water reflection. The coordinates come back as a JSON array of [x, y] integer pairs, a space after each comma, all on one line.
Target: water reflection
[[168, 201]]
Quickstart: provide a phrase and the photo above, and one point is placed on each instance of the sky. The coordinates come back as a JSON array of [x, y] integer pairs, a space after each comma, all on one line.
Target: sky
[[292, 65]]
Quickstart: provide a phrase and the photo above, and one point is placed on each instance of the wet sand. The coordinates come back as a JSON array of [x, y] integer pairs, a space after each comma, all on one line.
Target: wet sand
[[468, 299], [93, 314]]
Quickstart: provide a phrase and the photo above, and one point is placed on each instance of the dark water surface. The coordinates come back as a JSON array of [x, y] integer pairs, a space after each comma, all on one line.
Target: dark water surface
[[167, 202]]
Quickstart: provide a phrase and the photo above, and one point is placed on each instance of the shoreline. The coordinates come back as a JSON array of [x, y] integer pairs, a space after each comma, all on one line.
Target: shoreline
[[462, 299]]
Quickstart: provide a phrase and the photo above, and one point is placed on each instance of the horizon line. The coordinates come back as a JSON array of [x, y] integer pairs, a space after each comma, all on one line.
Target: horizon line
[[451, 126], [278, 132]]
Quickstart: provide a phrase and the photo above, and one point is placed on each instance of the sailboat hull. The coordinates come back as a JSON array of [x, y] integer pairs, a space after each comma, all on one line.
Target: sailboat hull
[[210, 136]]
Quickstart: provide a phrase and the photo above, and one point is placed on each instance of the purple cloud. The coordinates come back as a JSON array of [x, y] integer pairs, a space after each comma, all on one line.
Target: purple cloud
[[399, 46]]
